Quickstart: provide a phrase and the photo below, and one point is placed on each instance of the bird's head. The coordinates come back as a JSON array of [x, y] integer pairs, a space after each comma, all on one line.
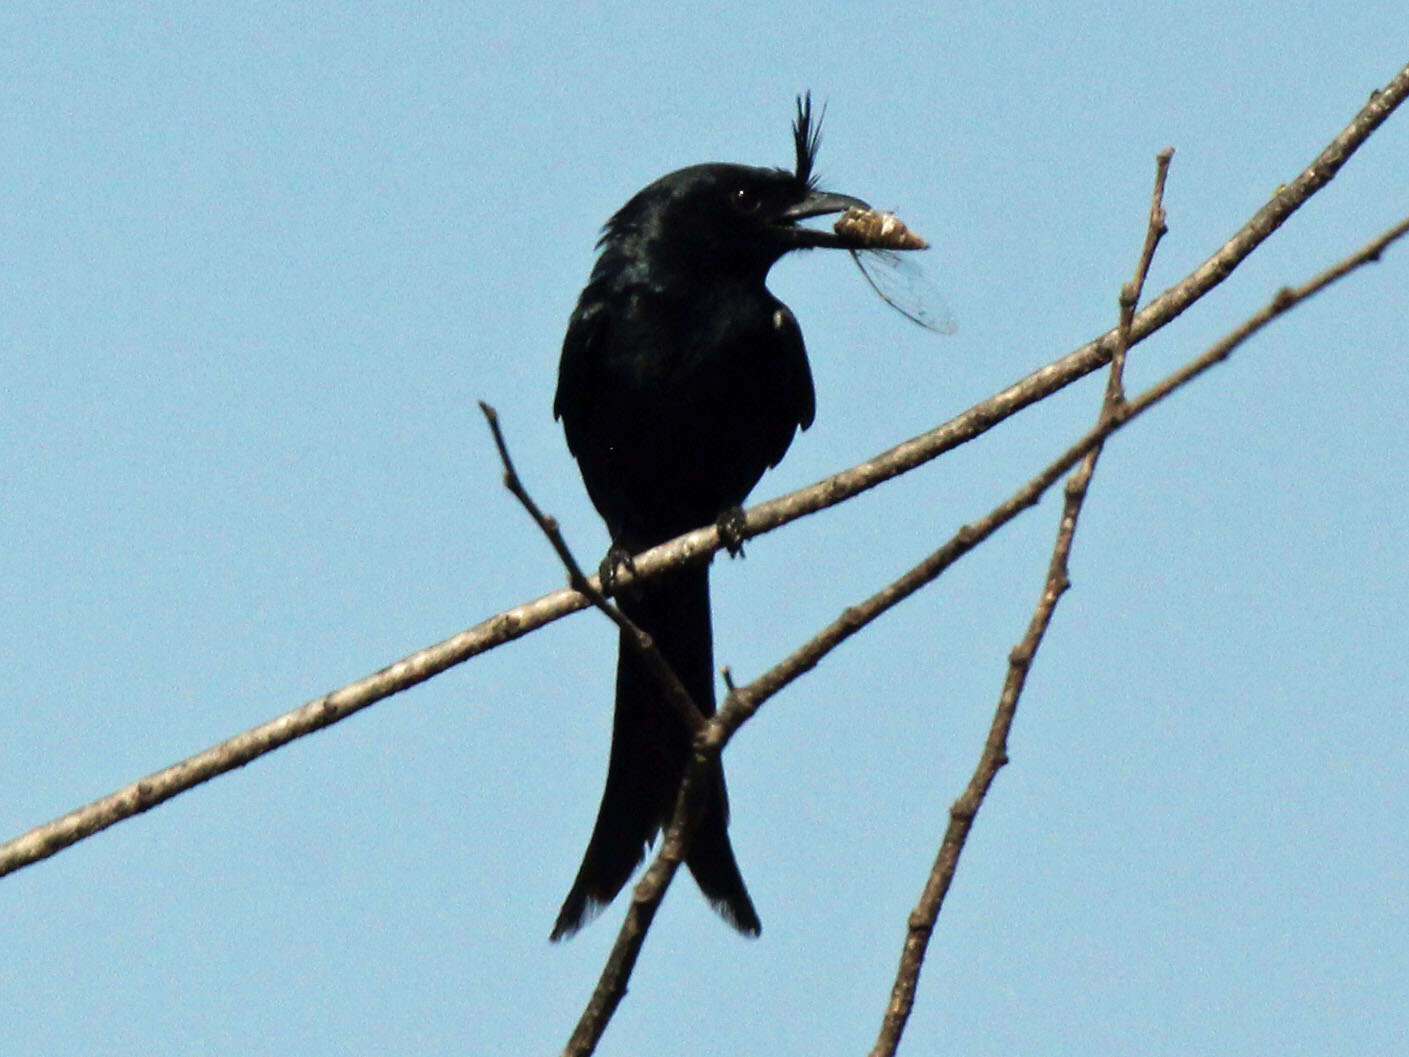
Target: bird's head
[[732, 219]]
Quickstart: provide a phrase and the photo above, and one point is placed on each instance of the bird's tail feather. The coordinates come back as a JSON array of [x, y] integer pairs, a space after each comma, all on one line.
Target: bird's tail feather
[[650, 748]]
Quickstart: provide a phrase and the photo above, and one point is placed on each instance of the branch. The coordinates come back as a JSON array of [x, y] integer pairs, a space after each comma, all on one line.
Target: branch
[[698, 545], [1094, 354]]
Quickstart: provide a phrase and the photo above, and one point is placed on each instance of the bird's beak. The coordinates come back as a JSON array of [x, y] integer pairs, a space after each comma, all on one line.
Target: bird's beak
[[816, 204]]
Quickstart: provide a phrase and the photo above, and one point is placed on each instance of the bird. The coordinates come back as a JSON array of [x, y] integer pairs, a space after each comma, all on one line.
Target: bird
[[682, 379]]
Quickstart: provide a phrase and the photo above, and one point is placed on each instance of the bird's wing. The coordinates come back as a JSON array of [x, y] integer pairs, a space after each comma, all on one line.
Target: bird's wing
[[579, 369], [798, 391]]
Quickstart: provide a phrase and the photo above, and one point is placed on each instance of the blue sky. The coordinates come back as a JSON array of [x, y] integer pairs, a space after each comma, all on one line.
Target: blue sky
[[261, 261]]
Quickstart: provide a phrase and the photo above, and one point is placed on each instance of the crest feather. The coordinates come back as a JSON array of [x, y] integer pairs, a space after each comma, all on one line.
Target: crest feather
[[807, 137]]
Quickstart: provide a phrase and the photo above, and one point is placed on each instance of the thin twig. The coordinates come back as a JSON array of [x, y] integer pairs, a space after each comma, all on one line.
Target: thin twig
[[698, 544], [646, 896], [1130, 293], [676, 695], [921, 922], [739, 705]]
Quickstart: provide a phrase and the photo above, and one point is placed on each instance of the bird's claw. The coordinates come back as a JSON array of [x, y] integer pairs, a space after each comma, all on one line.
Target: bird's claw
[[616, 559], [731, 524]]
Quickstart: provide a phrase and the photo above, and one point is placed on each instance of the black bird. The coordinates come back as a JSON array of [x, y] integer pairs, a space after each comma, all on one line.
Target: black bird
[[682, 379]]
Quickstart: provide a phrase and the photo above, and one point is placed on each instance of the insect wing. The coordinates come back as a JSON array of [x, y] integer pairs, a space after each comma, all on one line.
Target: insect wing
[[906, 288]]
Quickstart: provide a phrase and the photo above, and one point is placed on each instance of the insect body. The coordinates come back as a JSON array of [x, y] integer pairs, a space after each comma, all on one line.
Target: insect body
[[877, 236]]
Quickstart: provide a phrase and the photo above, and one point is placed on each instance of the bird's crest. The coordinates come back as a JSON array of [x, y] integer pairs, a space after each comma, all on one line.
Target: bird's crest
[[807, 137]]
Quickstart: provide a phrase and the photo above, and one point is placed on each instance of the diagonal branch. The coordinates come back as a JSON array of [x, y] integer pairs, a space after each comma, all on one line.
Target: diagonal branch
[[1077, 364]]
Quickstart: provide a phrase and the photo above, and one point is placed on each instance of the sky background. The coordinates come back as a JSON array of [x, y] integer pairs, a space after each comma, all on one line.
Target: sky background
[[260, 261]]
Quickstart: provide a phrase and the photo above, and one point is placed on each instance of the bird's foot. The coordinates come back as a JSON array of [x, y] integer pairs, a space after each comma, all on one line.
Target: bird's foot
[[731, 524], [616, 559]]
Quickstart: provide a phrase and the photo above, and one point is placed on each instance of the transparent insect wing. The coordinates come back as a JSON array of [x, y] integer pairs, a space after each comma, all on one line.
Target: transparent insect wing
[[904, 286]]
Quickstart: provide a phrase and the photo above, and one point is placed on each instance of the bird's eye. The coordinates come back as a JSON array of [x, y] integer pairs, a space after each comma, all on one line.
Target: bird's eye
[[746, 201]]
